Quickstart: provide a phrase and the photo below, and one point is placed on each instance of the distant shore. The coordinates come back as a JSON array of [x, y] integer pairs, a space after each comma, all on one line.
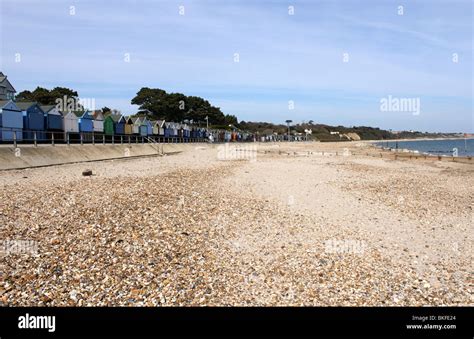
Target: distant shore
[[418, 139]]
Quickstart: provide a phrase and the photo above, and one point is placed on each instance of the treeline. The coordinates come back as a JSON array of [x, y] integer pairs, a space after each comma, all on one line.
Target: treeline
[[46, 96], [319, 131], [157, 103]]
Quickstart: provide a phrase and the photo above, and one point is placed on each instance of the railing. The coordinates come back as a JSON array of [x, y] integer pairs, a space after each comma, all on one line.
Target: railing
[[21, 136], [31, 137], [158, 144]]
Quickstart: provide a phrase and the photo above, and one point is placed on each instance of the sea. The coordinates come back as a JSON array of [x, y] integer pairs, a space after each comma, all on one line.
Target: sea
[[465, 147]]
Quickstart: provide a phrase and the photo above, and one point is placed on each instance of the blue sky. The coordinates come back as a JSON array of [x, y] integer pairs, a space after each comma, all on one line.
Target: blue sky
[[282, 57]]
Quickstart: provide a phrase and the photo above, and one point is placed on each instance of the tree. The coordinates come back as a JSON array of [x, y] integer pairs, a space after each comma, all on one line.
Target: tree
[[58, 95], [158, 104]]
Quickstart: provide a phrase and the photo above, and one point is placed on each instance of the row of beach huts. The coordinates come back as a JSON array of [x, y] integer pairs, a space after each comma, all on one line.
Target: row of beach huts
[[29, 120]]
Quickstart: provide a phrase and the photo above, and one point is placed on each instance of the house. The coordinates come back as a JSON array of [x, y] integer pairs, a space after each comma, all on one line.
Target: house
[[85, 120], [11, 121], [159, 127], [98, 122], [7, 92], [128, 127], [70, 122], [53, 119], [114, 124], [33, 120]]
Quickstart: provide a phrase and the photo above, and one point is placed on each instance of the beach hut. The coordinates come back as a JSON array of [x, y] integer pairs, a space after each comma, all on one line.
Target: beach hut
[[53, 119], [98, 122], [70, 122], [143, 127], [11, 121], [128, 126], [114, 124], [136, 123], [159, 127], [119, 124], [149, 126], [33, 120], [86, 121], [167, 129], [180, 129], [186, 131], [174, 129]]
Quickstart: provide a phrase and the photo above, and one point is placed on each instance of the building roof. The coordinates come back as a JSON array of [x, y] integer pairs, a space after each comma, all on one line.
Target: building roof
[[159, 122], [96, 113], [115, 117], [80, 114], [4, 102], [4, 82], [24, 105], [47, 108]]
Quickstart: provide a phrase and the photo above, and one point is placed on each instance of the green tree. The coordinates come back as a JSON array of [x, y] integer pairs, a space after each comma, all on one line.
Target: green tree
[[177, 107], [49, 97]]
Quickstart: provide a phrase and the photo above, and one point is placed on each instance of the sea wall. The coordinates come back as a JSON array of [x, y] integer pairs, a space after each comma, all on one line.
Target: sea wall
[[26, 156]]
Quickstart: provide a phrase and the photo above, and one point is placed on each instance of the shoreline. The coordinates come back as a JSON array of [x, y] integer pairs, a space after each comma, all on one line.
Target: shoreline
[[419, 139]]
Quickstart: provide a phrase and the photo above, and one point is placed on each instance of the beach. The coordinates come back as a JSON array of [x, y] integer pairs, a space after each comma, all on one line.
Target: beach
[[324, 224]]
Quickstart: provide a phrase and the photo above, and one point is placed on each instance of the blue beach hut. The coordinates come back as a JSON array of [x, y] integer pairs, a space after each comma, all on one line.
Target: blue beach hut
[[33, 120], [86, 121], [53, 119], [11, 121]]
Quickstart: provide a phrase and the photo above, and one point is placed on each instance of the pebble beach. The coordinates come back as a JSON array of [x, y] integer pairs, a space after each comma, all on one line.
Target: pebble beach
[[316, 224]]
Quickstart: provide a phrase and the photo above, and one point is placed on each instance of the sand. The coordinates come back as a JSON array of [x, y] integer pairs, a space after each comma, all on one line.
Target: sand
[[279, 224]]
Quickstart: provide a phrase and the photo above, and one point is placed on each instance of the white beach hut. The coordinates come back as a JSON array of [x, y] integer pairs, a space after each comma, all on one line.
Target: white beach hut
[[98, 121], [70, 122]]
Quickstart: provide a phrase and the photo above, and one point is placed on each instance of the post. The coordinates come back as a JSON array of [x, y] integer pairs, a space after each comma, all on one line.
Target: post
[[93, 139], [52, 138], [14, 138], [34, 139], [121, 140], [67, 138], [129, 139], [82, 141], [113, 139], [103, 139]]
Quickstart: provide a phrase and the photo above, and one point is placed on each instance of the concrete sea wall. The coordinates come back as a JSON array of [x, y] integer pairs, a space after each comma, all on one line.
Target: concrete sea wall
[[26, 156]]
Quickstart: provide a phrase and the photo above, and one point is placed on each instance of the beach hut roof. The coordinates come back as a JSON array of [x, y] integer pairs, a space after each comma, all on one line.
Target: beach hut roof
[[97, 114], [115, 117], [47, 108], [159, 123], [80, 114], [4, 103], [24, 105]]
